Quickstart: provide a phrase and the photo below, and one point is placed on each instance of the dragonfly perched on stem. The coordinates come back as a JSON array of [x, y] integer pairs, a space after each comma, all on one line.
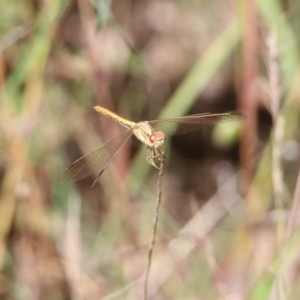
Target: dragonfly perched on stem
[[151, 133]]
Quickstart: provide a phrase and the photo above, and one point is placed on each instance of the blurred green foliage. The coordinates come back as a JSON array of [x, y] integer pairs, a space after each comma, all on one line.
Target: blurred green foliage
[[144, 60]]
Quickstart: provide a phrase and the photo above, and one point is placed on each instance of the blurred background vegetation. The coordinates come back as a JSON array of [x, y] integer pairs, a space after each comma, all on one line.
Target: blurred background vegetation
[[229, 222]]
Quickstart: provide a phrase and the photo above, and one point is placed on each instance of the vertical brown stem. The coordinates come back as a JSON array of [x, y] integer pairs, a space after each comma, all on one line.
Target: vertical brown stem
[[155, 220], [248, 101]]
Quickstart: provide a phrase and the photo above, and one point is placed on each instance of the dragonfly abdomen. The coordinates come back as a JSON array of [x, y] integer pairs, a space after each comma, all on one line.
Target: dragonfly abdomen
[[126, 123]]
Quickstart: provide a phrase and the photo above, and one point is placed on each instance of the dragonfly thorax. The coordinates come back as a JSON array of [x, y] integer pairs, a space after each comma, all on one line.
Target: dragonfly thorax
[[146, 134], [143, 131]]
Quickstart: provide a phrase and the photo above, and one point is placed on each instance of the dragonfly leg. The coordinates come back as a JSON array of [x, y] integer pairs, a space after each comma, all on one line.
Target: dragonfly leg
[[158, 156], [152, 156]]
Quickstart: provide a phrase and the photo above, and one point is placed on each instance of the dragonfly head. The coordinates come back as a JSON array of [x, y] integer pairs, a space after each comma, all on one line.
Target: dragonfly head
[[157, 140]]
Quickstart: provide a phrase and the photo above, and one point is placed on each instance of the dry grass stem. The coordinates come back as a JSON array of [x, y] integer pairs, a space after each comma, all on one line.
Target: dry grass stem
[[279, 290], [155, 221], [226, 199], [208, 249], [248, 93], [275, 94], [294, 218], [72, 242], [15, 35]]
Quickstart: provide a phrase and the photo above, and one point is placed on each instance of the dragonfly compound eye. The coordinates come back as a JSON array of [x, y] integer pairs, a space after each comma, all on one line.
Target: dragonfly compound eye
[[158, 139], [152, 138]]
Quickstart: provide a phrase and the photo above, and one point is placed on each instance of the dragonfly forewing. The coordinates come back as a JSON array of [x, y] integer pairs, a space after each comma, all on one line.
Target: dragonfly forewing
[[193, 122], [96, 161]]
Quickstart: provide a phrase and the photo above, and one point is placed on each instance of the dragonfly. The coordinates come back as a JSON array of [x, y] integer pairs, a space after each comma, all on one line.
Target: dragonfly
[[151, 133]]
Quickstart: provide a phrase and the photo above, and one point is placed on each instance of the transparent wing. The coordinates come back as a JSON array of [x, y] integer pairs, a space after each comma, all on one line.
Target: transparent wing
[[193, 122], [98, 160]]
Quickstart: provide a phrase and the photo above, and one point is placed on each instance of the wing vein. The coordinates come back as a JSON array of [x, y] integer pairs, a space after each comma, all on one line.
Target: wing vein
[[97, 160]]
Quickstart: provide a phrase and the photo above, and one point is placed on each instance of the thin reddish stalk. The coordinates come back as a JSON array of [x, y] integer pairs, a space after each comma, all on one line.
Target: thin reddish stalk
[[248, 93], [155, 221]]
